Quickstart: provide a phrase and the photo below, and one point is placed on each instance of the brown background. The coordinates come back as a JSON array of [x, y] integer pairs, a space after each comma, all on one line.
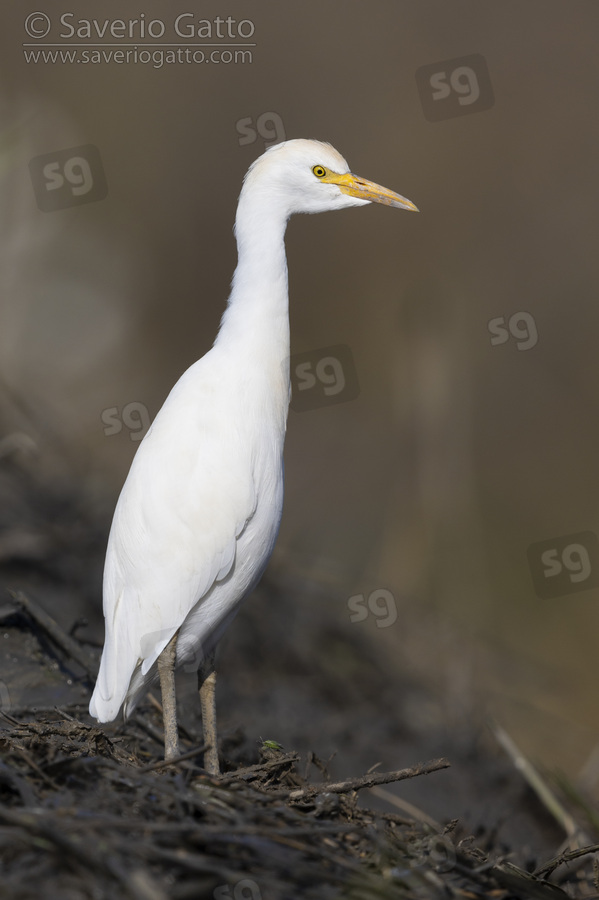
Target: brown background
[[457, 455]]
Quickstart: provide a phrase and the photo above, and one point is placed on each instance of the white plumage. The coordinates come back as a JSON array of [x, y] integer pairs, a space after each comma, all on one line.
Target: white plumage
[[198, 515]]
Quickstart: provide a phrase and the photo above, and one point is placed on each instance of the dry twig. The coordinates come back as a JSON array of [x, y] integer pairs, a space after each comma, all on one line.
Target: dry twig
[[55, 632], [369, 780]]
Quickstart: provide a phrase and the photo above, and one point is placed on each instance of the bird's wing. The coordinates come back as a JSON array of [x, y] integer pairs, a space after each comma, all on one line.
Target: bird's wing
[[189, 495]]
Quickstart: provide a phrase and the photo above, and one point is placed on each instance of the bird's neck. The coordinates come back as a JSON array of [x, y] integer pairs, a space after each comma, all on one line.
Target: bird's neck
[[257, 314]]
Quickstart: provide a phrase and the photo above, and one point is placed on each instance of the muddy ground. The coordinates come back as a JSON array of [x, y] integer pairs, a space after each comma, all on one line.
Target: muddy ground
[[306, 707]]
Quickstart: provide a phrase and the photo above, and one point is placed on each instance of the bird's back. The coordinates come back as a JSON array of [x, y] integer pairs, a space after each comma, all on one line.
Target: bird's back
[[194, 525]]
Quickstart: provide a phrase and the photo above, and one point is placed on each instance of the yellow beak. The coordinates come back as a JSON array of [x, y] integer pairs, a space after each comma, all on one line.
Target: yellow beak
[[368, 190]]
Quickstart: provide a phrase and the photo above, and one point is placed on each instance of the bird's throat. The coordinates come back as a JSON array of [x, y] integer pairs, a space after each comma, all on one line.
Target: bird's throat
[[257, 314]]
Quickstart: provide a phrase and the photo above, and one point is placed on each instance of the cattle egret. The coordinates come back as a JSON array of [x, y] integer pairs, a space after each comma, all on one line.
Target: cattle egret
[[198, 515]]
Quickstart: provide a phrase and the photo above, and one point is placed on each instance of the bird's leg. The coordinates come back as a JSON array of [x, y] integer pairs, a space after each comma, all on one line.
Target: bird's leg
[[207, 687], [166, 671]]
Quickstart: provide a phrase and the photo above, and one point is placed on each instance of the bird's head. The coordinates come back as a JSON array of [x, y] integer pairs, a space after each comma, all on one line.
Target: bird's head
[[301, 176]]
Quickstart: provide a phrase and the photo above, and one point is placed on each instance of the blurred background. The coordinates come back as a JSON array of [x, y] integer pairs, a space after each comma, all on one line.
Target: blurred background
[[442, 498]]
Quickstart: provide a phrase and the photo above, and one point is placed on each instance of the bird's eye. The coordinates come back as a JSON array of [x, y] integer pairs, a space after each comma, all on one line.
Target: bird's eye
[[319, 171]]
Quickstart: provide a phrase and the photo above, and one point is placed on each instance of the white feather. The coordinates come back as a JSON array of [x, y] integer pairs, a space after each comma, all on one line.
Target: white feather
[[198, 515]]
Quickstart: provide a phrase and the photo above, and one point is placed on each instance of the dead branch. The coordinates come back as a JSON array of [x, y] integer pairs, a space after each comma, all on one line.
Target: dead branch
[[367, 781], [55, 632]]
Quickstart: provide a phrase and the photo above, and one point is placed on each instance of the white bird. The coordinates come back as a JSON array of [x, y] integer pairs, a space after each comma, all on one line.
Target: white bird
[[198, 515]]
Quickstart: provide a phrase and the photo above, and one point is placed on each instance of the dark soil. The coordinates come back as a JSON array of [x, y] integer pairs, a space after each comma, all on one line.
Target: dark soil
[[90, 812], [84, 816]]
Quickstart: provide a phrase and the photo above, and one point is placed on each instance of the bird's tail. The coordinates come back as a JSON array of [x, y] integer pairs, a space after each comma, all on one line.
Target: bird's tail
[[126, 668], [111, 684]]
